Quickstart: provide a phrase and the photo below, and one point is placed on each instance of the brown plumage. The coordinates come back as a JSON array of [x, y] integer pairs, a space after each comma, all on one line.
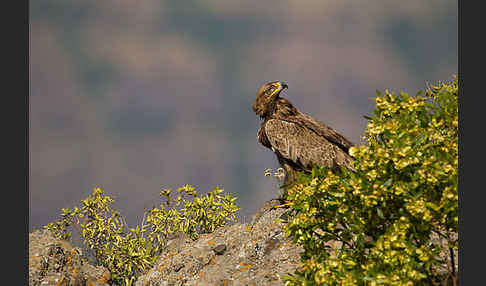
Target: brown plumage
[[298, 140]]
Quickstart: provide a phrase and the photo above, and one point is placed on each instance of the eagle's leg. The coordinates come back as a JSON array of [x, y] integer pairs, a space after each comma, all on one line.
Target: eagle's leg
[[290, 176]]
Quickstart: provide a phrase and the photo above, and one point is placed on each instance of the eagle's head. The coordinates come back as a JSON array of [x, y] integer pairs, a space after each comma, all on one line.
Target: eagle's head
[[266, 97]]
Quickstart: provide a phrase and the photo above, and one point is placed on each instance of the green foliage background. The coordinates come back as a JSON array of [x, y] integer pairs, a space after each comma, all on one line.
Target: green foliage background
[[394, 221]]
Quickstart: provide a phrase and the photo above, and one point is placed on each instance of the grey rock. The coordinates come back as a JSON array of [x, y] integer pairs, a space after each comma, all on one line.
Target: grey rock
[[254, 254], [57, 262], [178, 267], [220, 249]]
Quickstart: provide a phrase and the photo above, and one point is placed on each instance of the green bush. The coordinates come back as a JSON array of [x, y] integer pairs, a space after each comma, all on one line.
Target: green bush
[[394, 221], [129, 252]]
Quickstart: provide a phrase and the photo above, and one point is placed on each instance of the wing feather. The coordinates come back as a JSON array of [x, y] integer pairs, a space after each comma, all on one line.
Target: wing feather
[[322, 129], [304, 146]]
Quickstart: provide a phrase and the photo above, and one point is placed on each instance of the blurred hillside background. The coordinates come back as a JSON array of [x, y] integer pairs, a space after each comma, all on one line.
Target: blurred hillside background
[[136, 96]]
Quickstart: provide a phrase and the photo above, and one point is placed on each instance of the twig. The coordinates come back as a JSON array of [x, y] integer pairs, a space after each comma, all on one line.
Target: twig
[[453, 266], [338, 237]]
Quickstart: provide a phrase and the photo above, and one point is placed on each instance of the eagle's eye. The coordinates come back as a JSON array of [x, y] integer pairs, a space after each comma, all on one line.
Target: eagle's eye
[[270, 90]]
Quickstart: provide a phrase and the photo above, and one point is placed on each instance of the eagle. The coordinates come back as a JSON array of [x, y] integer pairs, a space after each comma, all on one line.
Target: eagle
[[299, 141]]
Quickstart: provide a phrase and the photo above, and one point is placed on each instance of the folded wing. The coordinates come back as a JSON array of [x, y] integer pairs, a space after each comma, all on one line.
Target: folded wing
[[322, 129], [306, 147]]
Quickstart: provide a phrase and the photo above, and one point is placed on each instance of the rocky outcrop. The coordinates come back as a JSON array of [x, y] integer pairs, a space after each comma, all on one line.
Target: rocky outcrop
[[57, 262], [256, 253], [241, 254]]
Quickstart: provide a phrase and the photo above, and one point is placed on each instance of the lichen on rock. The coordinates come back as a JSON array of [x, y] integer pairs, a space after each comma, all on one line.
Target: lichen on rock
[[57, 262], [240, 254]]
